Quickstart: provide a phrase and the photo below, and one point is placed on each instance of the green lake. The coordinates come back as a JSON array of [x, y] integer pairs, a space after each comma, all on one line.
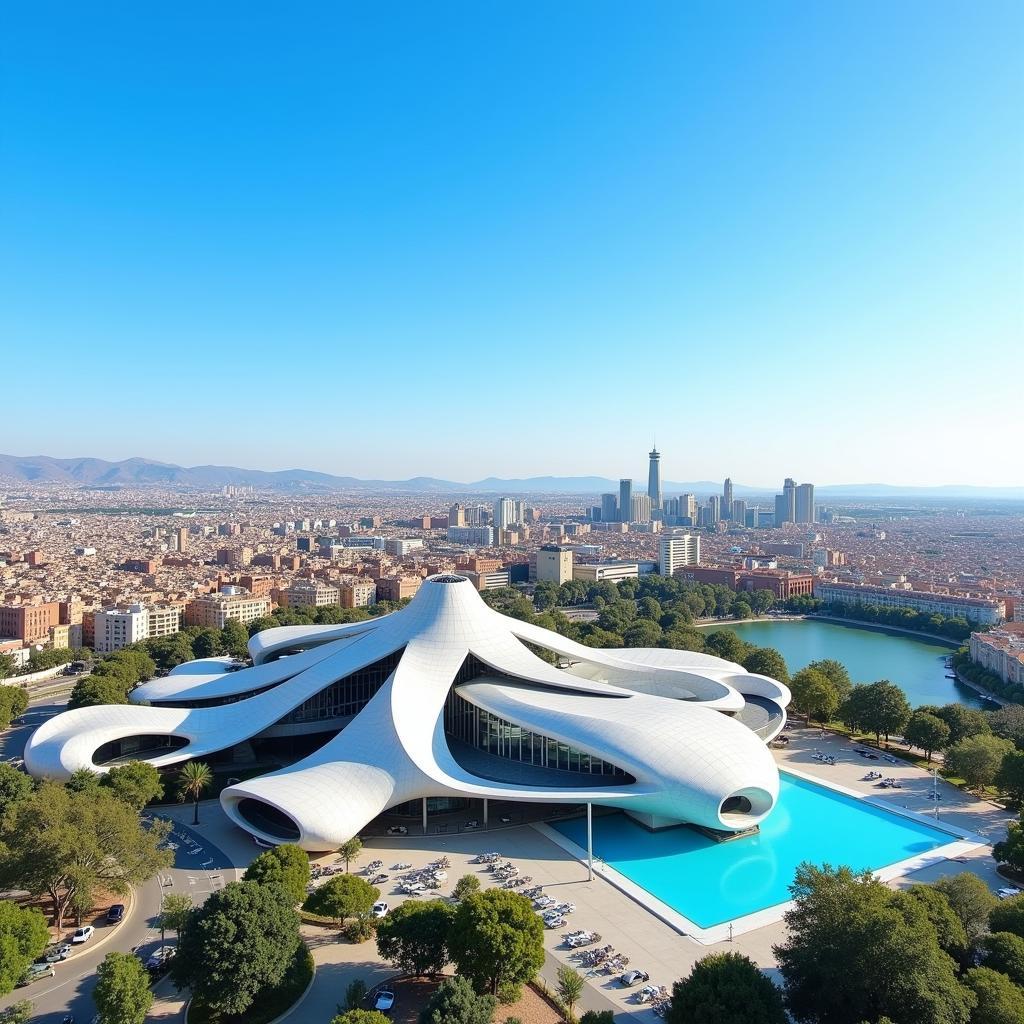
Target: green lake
[[914, 664]]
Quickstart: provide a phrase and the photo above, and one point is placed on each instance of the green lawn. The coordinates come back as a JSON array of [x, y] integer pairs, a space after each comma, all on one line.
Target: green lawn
[[269, 1004]]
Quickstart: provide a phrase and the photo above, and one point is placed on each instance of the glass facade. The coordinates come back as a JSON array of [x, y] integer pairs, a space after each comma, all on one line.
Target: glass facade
[[346, 696], [494, 735]]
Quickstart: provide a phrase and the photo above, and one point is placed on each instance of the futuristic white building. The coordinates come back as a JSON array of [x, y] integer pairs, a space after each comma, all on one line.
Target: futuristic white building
[[445, 698]]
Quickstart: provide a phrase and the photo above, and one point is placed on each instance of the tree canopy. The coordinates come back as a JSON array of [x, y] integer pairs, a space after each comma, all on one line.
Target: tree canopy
[[137, 783], [15, 785], [726, 988], [414, 936], [814, 695], [977, 759], [455, 1002], [122, 994], [69, 845], [926, 732], [999, 1001], [1008, 915], [23, 936], [241, 941], [970, 899], [496, 939], [342, 896], [856, 951], [286, 865]]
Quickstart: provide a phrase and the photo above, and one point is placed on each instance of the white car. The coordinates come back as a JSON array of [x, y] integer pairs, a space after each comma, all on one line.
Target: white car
[[544, 902], [379, 909], [384, 1001], [57, 953], [83, 934]]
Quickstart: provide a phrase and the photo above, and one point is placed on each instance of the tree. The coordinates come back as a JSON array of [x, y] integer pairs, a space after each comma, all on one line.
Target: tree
[[342, 896], [1008, 916], [970, 899], [17, 1013], [599, 1016], [767, 661], [726, 644], [569, 987], [234, 640], [1004, 952], [23, 936], [949, 929], [642, 634], [1008, 722], [174, 911], [977, 759], [856, 950], [350, 849], [814, 695], [496, 939], [122, 994], [69, 845], [455, 1002], [194, 778], [1011, 849], [136, 783], [726, 988], [1010, 777], [93, 690], [836, 672], [13, 703], [963, 722], [886, 709], [15, 785], [999, 1000], [286, 865], [355, 1016], [241, 941], [465, 886], [926, 732], [355, 994], [83, 780], [414, 936]]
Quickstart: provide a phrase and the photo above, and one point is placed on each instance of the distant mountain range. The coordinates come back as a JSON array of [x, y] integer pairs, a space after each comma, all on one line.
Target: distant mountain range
[[87, 472]]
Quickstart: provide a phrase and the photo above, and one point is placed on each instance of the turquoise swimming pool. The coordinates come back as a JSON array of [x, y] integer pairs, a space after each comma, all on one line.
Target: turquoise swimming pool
[[711, 883]]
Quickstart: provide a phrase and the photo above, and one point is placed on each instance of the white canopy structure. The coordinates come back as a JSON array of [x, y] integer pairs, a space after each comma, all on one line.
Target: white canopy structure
[[446, 698]]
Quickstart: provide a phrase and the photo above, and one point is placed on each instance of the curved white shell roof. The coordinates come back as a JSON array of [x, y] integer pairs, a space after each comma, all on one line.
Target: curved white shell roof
[[673, 720]]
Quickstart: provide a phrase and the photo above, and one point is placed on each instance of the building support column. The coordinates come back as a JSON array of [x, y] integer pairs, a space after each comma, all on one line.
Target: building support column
[[424, 815], [485, 812], [590, 843]]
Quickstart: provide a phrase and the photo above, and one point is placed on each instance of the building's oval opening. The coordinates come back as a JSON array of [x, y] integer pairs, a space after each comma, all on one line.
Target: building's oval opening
[[268, 819], [136, 748]]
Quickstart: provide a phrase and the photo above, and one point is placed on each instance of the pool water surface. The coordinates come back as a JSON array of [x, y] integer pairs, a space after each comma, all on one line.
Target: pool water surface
[[711, 883]]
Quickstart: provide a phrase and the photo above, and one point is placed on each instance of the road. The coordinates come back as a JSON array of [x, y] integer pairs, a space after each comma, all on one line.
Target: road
[[198, 871]]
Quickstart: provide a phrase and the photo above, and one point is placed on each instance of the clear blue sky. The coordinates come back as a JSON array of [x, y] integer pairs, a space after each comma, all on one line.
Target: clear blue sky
[[463, 239]]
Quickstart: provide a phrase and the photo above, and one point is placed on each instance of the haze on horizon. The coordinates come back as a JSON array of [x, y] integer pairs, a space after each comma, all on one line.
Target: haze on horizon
[[464, 241]]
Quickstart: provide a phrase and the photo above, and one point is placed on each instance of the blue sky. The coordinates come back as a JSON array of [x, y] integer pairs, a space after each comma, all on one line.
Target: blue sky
[[465, 239]]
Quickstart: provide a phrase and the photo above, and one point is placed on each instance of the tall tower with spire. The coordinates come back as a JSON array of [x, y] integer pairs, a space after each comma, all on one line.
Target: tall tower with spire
[[654, 480]]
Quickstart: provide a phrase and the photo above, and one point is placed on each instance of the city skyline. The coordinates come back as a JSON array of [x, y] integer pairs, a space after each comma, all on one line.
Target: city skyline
[[807, 217]]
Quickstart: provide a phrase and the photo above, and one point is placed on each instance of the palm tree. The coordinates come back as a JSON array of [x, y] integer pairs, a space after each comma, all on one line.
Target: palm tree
[[194, 778], [570, 988]]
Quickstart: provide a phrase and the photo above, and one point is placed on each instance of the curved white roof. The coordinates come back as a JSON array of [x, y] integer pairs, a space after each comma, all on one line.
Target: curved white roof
[[662, 716]]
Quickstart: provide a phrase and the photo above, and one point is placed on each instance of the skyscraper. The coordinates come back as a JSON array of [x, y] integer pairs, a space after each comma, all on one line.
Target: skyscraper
[[805, 504], [714, 509], [654, 479], [609, 508], [727, 498], [625, 500], [785, 503], [504, 513], [640, 508], [738, 512]]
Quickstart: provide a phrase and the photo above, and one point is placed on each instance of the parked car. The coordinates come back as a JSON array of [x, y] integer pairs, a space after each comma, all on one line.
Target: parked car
[[379, 909], [82, 935], [115, 915], [397, 830], [633, 977], [36, 972], [160, 959], [384, 1001], [57, 953]]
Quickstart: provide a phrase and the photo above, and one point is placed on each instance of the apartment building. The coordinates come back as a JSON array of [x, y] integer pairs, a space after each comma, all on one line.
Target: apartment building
[[29, 623], [216, 610], [554, 564], [1001, 651], [676, 550], [598, 572], [984, 611], [118, 627], [397, 588], [163, 620], [358, 593], [310, 594]]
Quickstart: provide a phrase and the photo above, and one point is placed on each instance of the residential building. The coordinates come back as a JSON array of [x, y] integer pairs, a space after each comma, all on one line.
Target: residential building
[[29, 623], [554, 564], [983, 611], [738, 512], [119, 627], [401, 547], [677, 549], [163, 620], [216, 610], [358, 593], [600, 571], [1001, 651], [640, 508], [804, 511], [504, 513], [397, 588], [310, 594], [479, 535]]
